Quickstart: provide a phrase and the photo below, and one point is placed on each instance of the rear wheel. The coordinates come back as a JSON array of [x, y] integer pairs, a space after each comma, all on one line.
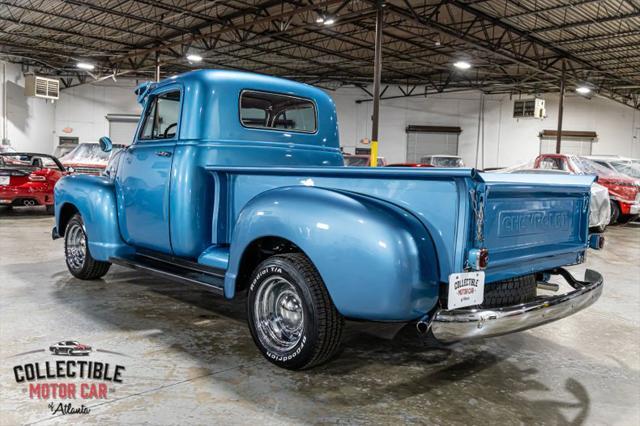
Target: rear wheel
[[76, 250], [292, 319], [615, 212]]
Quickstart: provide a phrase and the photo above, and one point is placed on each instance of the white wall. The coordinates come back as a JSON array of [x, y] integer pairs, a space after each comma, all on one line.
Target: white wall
[[29, 120], [83, 109], [507, 140]]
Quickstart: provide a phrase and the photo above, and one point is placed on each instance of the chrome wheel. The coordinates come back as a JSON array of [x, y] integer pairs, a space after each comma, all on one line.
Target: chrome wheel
[[279, 316], [76, 246]]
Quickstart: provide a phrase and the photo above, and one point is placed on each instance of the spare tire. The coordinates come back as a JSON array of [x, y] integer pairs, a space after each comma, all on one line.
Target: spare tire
[[509, 292]]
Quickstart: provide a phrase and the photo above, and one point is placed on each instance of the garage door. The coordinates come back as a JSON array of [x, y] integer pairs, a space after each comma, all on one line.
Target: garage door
[[573, 142], [569, 146], [122, 128], [431, 140]]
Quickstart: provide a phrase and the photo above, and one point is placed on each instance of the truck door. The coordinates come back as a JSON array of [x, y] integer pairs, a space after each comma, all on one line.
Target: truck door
[[144, 176]]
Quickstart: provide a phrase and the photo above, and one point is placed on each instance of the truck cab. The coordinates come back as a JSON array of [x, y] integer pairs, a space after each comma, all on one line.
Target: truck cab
[[236, 182]]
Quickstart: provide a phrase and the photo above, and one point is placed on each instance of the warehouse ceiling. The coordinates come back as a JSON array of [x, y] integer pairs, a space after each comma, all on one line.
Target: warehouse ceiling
[[514, 46]]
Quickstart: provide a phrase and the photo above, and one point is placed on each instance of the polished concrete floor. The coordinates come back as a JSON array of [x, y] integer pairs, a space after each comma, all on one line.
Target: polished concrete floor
[[189, 357]]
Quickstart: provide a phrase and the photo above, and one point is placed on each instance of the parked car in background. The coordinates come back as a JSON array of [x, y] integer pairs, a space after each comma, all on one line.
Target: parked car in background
[[599, 204], [27, 179], [442, 160], [361, 160], [626, 166], [624, 191], [63, 149], [88, 159]]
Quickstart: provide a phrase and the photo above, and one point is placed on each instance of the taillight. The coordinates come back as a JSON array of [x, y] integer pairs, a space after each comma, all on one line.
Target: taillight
[[478, 259], [37, 178]]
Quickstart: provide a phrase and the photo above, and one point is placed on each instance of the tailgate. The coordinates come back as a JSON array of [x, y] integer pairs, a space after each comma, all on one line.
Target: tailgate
[[531, 223]]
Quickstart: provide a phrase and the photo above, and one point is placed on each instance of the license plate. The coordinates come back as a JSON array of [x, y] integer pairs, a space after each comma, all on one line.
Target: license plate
[[4, 180], [465, 289]]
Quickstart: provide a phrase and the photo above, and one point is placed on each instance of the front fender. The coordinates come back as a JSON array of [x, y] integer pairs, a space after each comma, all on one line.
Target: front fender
[[94, 198], [376, 259]]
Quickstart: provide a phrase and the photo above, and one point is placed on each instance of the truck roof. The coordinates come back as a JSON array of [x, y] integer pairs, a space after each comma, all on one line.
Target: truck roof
[[242, 79], [211, 107]]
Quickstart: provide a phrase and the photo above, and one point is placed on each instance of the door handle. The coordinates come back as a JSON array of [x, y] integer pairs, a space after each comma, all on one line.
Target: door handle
[[163, 153]]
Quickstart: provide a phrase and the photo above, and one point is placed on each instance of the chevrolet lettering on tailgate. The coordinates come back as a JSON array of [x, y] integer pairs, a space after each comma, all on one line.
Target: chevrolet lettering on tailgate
[[533, 222]]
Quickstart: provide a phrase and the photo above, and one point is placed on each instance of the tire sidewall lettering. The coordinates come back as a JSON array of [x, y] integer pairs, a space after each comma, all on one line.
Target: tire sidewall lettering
[[263, 273]]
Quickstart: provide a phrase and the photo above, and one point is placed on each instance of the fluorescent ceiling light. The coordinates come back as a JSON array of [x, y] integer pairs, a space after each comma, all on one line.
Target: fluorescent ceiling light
[[462, 65], [319, 20], [85, 66], [192, 57], [330, 21], [583, 90]]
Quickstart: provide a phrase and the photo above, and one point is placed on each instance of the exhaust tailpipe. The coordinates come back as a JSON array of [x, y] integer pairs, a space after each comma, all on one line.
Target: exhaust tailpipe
[[548, 286], [423, 325], [29, 203]]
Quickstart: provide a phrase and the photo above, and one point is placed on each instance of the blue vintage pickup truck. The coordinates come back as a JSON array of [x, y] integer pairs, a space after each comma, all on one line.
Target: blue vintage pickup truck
[[235, 181]]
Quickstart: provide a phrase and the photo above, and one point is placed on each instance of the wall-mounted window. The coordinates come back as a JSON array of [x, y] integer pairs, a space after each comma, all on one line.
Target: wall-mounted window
[[161, 119], [264, 110]]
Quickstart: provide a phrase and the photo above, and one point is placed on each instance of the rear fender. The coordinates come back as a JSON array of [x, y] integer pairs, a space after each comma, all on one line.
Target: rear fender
[[94, 198], [377, 260]]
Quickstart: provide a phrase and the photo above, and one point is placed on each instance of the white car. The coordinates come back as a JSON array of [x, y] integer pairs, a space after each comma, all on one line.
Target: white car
[[626, 166], [442, 160], [69, 347]]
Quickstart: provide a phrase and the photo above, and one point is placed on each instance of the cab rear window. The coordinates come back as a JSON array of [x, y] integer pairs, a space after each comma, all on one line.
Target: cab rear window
[[274, 111]]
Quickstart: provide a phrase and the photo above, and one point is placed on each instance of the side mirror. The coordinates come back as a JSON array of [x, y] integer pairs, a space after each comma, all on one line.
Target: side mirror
[[105, 144], [71, 169]]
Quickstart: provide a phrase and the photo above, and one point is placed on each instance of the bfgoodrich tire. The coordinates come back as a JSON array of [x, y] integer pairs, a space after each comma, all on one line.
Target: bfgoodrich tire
[[291, 316], [77, 255]]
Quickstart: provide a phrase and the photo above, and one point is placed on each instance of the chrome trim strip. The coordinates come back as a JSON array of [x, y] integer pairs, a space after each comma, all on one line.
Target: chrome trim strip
[[462, 324]]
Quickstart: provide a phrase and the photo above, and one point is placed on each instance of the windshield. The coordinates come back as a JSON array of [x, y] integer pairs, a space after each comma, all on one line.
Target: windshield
[[22, 160], [627, 168], [86, 153], [442, 161], [584, 166], [448, 162]]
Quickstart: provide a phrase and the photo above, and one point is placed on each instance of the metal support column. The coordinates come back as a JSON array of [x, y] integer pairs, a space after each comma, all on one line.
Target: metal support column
[[560, 108], [377, 69], [157, 66]]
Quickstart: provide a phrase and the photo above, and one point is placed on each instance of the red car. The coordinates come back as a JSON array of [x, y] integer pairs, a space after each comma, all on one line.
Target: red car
[[624, 191], [27, 179]]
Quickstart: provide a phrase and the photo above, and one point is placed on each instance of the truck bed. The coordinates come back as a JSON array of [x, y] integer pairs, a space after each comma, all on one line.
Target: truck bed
[[528, 223]]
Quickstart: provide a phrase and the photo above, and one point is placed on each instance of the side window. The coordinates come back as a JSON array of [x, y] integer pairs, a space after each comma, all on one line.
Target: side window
[[161, 119], [262, 110]]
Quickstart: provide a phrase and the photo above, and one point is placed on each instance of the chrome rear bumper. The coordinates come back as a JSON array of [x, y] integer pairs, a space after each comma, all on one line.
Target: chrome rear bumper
[[461, 324]]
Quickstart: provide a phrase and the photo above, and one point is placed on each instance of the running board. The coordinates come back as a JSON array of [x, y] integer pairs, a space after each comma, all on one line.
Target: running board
[[173, 271]]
